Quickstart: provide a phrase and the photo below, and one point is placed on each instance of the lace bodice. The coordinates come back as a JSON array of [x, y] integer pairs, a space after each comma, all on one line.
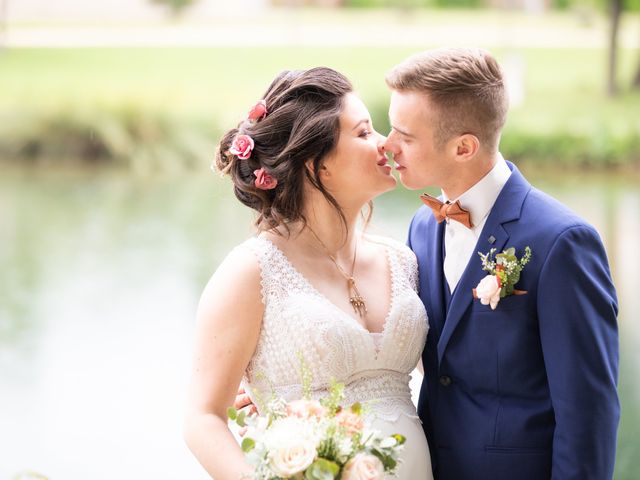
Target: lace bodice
[[301, 326]]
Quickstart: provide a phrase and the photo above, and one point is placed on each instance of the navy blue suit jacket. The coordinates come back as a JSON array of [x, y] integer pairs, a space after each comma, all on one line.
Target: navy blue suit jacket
[[528, 390]]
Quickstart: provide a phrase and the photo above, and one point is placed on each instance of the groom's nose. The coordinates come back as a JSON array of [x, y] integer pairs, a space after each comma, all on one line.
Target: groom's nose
[[390, 145]]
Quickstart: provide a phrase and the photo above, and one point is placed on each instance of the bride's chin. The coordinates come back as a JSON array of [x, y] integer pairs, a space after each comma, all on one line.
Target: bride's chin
[[390, 185]]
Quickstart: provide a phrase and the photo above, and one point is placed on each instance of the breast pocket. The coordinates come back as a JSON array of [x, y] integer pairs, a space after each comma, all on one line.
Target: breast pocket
[[506, 304]]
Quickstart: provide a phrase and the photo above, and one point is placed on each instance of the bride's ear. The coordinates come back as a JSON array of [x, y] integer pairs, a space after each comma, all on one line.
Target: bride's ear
[[323, 170]]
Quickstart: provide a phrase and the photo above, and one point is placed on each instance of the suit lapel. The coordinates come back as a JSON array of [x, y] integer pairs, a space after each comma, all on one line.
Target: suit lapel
[[506, 209]]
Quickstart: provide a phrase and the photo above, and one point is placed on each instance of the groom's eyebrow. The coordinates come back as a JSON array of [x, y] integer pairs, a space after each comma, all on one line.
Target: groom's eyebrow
[[364, 120], [402, 132]]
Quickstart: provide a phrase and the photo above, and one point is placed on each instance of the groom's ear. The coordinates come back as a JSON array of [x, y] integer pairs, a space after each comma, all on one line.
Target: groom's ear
[[466, 147]]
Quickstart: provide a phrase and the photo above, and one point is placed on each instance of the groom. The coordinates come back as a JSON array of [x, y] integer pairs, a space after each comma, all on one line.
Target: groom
[[526, 390]]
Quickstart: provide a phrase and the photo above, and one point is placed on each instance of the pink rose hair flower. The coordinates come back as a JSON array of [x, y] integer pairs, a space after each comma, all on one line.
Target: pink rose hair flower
[[264, 181], [242, 146], [258, 112]]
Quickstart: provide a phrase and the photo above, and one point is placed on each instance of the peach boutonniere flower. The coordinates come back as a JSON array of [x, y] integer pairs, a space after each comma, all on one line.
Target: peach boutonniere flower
[[504, 272]]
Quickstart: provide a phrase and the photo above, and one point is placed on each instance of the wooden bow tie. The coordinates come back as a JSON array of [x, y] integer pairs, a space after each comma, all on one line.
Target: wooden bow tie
[[442, 210]]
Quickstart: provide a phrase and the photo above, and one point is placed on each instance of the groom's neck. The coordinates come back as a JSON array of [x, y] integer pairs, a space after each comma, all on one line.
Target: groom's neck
[[468, 174]]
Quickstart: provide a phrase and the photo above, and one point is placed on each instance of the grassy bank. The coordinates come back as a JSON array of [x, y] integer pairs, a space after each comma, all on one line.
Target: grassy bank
[[164, 108]]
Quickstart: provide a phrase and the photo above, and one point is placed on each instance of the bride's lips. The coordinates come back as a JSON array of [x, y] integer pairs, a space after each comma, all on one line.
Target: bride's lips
[[382, 162], [399, 167]]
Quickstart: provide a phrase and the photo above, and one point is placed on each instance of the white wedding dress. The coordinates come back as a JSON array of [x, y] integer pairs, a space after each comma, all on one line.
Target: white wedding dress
[[302, 325]]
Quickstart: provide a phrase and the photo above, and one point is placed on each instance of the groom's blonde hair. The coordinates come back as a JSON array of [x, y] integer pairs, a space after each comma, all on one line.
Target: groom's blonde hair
[[466, 87]]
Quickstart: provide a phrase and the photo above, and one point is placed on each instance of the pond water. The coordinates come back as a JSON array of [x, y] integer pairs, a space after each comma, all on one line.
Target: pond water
[[100, 274]]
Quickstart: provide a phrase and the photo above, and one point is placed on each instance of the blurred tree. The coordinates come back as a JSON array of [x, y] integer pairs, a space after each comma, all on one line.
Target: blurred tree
[[616, 8], [175, 7], [615, 12], [635, 84]]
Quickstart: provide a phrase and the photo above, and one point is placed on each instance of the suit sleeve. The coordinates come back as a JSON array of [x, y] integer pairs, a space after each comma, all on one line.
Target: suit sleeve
[[409, 233], [577, 310]]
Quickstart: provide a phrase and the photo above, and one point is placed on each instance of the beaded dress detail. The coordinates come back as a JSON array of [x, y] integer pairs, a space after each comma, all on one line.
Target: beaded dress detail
[[301, 325]]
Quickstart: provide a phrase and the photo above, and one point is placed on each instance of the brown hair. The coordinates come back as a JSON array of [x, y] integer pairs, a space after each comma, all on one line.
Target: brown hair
[[302, 125], [466, 87]]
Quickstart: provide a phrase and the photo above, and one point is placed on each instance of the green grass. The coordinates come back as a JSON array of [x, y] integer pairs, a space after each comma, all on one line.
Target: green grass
[[565, 114]]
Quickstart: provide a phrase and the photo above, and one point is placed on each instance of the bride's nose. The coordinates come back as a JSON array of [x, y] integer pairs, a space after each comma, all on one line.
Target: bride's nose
[[381, 143]]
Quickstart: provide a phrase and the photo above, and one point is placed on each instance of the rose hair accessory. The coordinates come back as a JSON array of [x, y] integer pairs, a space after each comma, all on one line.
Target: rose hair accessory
[[264, 181], [258, 112], [242, 146]]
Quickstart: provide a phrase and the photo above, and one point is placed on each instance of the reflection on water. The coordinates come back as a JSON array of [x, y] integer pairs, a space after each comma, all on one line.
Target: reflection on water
[[99, 279]]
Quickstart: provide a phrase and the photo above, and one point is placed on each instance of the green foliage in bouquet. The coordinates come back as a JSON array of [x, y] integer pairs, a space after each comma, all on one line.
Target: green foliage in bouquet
[[324, 438]]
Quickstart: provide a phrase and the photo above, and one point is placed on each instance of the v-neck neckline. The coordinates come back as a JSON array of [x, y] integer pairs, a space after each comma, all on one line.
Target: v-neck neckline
[[322, 296]]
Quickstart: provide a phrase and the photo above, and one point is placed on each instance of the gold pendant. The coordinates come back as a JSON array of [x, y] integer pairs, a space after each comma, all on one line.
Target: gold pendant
[[355, 299]]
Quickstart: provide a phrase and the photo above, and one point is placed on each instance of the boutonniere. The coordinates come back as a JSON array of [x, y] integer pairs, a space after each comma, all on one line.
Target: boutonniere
[[504, 273]]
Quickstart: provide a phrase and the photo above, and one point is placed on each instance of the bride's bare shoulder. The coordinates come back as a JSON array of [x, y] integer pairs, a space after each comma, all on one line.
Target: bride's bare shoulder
[[236, 281]]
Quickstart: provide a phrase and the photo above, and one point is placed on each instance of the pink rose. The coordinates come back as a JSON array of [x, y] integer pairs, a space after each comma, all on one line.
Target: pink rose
[[351, 422], [488, 291], [258, 112], [264, 181], [305, 409], [363, 467], [242, 146]]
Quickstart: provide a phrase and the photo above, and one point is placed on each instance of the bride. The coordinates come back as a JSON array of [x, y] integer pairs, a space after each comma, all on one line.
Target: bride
[[309, 285]]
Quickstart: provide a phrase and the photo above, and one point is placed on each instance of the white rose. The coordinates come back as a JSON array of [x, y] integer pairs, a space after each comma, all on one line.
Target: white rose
[[291, 443], [363, 467], [488, 291], [289, 460]]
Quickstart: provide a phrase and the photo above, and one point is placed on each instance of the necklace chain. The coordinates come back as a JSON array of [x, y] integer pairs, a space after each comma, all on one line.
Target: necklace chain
[[355, 299]]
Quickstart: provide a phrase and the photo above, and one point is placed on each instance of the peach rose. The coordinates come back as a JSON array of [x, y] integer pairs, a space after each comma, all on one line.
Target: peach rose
[[363, 467], [351, 422], [242, 146], [305, 409], [488, 291]]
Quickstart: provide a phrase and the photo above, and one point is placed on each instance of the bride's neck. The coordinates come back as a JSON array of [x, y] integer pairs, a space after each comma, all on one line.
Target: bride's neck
[[334, 233]]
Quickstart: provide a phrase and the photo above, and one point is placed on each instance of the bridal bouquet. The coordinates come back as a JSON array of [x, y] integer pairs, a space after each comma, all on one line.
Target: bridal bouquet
[[316, 440]]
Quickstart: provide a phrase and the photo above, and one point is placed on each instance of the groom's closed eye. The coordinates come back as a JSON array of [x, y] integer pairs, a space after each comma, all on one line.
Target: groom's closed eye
[[402, 132]]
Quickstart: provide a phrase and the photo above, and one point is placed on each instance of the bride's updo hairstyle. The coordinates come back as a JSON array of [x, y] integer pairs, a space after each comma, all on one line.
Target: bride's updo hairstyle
[[267, 154]]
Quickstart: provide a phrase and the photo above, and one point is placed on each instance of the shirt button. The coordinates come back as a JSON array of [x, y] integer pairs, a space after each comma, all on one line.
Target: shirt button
[[445, 380]]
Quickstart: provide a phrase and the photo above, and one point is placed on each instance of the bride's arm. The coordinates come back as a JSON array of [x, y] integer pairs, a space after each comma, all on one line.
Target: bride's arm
[[228, 326]]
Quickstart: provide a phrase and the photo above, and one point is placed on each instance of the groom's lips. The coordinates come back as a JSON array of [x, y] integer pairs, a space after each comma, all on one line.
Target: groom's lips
[[399, 167]]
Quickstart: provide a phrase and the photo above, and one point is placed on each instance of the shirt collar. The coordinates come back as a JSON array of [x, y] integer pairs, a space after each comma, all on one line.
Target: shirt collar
[[479, 199]]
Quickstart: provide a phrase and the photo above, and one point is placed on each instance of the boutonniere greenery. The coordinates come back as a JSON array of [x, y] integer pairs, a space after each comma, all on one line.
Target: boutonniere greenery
[[504, 272]]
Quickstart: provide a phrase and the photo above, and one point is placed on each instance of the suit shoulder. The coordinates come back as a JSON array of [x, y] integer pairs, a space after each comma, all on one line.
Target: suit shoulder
[[558, 218], [422, 219]]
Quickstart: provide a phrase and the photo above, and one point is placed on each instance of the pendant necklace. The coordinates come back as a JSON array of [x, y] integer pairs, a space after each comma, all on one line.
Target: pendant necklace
[[355, 299]]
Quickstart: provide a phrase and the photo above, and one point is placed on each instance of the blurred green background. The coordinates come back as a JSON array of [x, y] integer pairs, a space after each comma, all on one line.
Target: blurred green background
[[111, 221]]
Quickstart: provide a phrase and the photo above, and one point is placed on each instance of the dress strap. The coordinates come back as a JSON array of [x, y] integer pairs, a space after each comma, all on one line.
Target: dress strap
[[278, 277]]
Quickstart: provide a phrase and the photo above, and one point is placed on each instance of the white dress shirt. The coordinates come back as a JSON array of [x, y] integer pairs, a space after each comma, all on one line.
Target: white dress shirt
[[460, 241]]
